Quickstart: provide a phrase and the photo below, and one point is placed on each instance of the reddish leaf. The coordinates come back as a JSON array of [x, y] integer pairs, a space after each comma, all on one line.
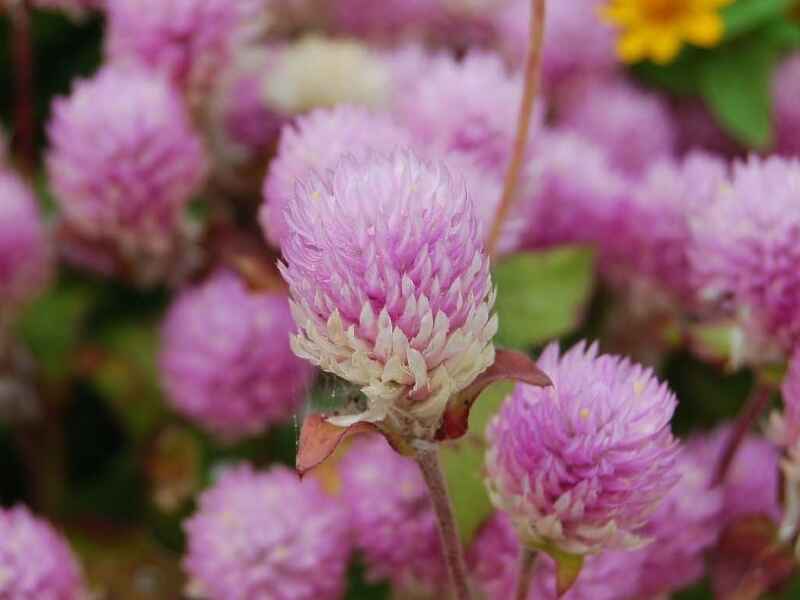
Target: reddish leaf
[[508, 365], [319, 440]]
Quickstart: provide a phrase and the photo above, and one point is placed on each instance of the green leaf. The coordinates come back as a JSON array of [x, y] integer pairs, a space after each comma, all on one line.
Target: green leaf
[[568, 568], [679, 78], [736, 85], [542, 295], [462, 461], [53, 324], [744, 16]]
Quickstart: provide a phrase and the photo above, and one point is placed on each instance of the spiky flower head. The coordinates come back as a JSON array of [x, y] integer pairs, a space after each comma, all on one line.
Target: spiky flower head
[[226, 361], [123, 158], [392, 517], [314, 144], [267, 535], [494, 562], [615, 117], [189, 41], [786, 90], [575, 42], [583, 464], [449, 110], [35, 561], [391, 287], [747, 247], [658, 29], [315, 72], [24, 253]]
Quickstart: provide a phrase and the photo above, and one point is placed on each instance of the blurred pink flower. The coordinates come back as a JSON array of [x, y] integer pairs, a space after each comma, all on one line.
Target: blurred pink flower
[[226, 361], [267, 535]]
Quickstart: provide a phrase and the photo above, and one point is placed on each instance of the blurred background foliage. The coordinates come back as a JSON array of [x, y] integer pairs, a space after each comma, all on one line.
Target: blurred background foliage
[[119, 472]]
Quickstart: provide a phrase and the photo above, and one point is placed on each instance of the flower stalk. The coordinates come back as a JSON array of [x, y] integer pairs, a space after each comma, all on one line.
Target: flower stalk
[[427, 456], [527, 559], [533, 70]]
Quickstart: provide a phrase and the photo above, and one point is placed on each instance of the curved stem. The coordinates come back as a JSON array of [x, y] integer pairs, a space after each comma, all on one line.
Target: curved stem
[[527, 558], [22, 52], [758, 401], [427, 457], [532, 75]]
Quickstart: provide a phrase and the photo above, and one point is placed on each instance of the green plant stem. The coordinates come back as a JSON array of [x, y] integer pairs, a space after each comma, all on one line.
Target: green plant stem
[[427, 457]]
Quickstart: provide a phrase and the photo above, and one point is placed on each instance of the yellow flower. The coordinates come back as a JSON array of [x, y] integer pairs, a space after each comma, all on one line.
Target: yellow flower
[[657, 29]]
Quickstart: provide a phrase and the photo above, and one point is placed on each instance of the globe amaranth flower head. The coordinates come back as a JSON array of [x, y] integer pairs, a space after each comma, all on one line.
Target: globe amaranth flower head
[[315, 143], [494, 561], [785, 89], [35, 561], [267, 535], [575, 42], [450, 110], [582, 465], [225, 360], [747, 247], [123, 158], [392, 517], [315, 71], [189, 41], [613, 113], [24, 251], [390, 286]]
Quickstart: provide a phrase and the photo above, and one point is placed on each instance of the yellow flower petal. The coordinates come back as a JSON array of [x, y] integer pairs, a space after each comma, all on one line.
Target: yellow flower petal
[[632, 47], [705, 30], [665, 46]]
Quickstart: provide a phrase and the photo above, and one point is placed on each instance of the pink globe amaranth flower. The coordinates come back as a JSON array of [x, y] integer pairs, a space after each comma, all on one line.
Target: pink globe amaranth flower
[[686, 525], [35, 561], [751, 487], [390, 286], [226, 361], [786, 90], [494, 563], [123, 158], [654, 245], [450, 110], [582, 465], [392, 517], [573, 194], [746, 249], [189, 41], [267, 535], [576, 41], [24, 249], [614, 114], [314, 144]]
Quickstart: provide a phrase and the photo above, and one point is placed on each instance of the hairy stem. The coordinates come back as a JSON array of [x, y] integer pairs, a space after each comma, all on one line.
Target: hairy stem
[[22, 53], [758, 401], [427, 456], [532, 75], [527, 558]]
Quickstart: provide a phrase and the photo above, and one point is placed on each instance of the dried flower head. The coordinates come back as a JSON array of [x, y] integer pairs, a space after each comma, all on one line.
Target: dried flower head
[[390, 286], [582, 465], [267, 535], [35, 561], [316, 72], [226, 361], [392, 517], [314, 144]]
